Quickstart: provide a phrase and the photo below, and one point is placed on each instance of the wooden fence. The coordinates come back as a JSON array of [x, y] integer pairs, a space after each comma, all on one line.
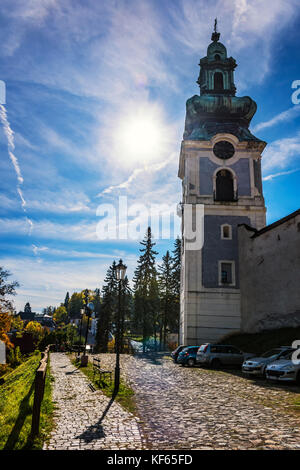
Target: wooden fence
[[40, 378]]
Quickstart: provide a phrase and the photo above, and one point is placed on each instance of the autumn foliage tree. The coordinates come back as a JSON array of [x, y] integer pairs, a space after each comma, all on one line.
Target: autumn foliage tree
[[6, 288], [36, 330], [5, 325]]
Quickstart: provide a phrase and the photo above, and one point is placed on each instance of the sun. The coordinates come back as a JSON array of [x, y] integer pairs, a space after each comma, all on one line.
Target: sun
[[142, 135]]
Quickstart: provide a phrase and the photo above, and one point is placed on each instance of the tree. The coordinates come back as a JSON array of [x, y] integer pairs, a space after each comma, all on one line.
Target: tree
[[61, 315], [6, 288], [5, 326], [166, 295], [176, 278], [17, 324], [144, 287], [96, 298], [108, 309], [27, 308], [36, 330], [126, 309], [67, 300], [75, 305], [49, 311]]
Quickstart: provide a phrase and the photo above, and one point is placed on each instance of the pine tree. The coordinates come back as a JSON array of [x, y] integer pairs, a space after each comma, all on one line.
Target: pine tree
[[176, 277], [97, 302], [108, 309], [27, 308], [75, 305], [166, 295], [144, 279], [67, 300], [127, 310]]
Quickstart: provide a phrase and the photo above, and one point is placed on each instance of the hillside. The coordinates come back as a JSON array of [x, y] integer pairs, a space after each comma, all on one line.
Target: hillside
[[16, 400]]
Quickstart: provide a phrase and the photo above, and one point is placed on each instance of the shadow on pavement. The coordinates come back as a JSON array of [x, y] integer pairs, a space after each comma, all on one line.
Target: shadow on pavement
[[96, 430], [155, 358], [259, 381]]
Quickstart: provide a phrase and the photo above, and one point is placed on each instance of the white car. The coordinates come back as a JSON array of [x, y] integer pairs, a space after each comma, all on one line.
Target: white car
[[284, 370], [257, 365]]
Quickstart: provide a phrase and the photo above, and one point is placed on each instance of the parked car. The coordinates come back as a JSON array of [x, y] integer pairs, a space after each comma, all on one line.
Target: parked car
[[284, 370], [188, 356], [216, 355], [257, 365], [174, 354]]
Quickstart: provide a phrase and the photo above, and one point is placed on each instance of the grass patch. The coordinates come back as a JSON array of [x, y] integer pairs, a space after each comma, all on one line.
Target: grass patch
[[263, 341], [125, 396], [16, 402]]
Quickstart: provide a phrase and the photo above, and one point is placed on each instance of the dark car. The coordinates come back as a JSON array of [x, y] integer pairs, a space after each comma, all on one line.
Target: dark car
[[217, 355], [188, 356], [174, 354]]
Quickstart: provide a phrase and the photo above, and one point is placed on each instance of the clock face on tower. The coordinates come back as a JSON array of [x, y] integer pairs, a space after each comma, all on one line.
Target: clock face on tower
[[223, 149]]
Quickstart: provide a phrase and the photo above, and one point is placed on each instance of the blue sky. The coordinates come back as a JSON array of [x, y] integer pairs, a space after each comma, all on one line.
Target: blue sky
[[96, 96]]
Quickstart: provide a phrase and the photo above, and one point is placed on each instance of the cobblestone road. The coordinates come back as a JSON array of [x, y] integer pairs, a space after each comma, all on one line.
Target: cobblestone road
[[79, 411], [192, 408]]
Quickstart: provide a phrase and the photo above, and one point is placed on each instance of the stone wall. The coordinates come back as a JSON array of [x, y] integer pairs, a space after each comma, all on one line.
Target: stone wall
[[270, 275]]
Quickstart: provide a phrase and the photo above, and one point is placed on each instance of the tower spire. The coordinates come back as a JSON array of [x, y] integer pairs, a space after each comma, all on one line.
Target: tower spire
[[215, 35]]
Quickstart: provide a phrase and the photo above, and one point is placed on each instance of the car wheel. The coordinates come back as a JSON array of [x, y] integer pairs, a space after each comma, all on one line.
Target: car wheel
[[191, 362], [216, 364]]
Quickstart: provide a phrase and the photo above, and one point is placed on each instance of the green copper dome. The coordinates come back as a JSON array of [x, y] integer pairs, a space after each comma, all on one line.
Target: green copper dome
[[215, 49], [217, 109]]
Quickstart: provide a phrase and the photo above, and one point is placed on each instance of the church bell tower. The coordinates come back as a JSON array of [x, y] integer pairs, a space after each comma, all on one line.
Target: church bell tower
[[220, 168]]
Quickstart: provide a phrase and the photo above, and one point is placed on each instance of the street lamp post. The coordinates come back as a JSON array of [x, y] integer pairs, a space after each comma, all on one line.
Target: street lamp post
[[81, 317], [88, 308], [120, 275]]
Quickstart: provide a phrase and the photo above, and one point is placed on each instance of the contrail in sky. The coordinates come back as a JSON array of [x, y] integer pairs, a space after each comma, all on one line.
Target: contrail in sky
[[11, 147]]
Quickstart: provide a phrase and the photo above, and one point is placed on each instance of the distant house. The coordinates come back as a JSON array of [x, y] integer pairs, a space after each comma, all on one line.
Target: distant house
[[27, 315], [46, 320]]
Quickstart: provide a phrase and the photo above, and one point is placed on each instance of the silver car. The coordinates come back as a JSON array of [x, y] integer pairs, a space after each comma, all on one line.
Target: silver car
[[284, 370], [216, 355], [257, 365]]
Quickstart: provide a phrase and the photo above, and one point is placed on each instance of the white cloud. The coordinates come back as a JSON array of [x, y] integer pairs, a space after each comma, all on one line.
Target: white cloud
[[137, 173], [44, 283], [81, 231], [285, 116], [281, 173], [248, 29], [11, 146], [281, 152]]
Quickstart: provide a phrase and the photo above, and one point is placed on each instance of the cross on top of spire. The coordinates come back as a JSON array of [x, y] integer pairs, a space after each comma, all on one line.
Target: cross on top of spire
[[215, 35]]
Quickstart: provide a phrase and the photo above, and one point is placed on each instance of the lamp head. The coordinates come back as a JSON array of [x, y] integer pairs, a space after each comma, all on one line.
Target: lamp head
[[121, 271]]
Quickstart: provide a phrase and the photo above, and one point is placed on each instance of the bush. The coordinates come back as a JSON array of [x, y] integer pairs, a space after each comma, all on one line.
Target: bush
[[14, 357], [111, 346]]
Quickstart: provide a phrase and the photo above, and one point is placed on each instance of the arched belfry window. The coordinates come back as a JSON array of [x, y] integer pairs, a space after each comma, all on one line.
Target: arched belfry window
[[218, 81], [226, 232], [224, 186]]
